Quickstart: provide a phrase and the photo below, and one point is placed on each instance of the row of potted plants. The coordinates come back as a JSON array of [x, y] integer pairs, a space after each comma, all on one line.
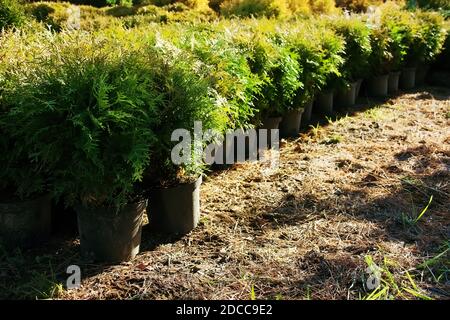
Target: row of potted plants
[[90, 124], [88, 118]]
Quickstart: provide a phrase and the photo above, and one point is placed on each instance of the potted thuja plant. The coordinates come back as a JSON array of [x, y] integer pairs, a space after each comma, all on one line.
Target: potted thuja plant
[[278, 68], [25, 204], [428, 40], [25, 216], [187, 109], [332, 49], [356, 54], [266, 63], [287, 82], [309, 56], [379, 61], [399, 26], [88, 121]]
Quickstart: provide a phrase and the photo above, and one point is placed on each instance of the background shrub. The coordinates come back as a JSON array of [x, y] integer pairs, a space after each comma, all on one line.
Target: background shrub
[[434, 4], [255, 8], [272, 8], [363, 5], [12, 13]]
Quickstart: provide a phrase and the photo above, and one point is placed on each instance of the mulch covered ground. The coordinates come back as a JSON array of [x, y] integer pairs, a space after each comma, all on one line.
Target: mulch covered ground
[[345, 190]]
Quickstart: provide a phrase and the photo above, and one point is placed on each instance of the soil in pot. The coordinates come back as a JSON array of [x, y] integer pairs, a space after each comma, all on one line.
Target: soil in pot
[[290, 125], [421, 74], [109, 236], [346, 97], [408, 78], [324, 103], [393, 81], [306, 116], [378, 86], [175, 210], [25, 223]]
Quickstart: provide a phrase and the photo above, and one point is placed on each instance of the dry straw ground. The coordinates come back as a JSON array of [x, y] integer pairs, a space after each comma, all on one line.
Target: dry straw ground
[[347, 189]]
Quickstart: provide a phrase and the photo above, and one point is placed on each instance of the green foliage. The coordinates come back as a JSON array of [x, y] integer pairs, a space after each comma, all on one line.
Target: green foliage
[[356, 35], [95, 3], [434, 4], [305, 41], [256, 8], [20, 176], [96, 118], [12, 14], [402, 30], [380, 58], [332, 58], [272, 61], [126, 3], [86, 117], [56, 16], [272, 8], [90, 115], [393, 287], [432, 33], [226, 66], [363, 5], [415, 37], [411, 220], [185, 85]]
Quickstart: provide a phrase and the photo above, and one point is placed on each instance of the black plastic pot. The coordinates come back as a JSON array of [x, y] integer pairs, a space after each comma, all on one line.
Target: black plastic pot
[[346, 97], [393, 81], [271, 123], [25, 223], [110, 236], [378, 86], [324, 102], [358, 87], [290, 125], [306, 116], [175, 210], [408, 78], [421, 74]]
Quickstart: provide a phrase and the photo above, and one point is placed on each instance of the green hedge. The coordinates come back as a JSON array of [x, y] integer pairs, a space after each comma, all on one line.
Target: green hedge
[[89, 115]]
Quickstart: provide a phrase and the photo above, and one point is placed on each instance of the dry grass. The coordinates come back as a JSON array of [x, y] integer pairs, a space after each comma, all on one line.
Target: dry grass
[[341, 193]]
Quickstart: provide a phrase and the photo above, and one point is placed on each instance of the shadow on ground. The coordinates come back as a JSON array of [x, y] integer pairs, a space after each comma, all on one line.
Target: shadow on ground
[[403, 193]]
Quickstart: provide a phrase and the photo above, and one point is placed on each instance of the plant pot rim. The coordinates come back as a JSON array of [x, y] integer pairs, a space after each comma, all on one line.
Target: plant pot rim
[[197, 182], [81, 206], [409, 68], [395, 72], [274, 118], [299, 109], [326, 92], [34, 198], [380, 76]]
